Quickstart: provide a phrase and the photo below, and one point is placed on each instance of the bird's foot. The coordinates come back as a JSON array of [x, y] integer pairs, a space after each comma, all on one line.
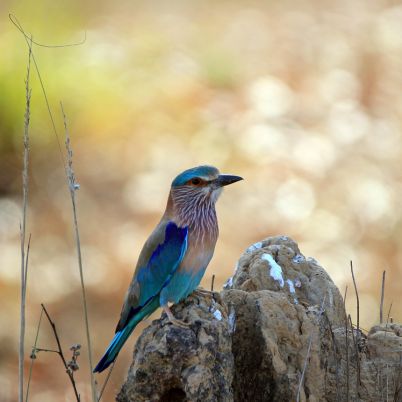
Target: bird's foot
[[174, 320]]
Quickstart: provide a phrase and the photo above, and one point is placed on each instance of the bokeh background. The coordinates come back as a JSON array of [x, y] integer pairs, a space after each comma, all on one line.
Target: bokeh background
[[301, 98]]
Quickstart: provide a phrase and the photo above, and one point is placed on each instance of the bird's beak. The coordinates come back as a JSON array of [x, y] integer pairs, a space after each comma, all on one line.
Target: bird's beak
[[225, 179]]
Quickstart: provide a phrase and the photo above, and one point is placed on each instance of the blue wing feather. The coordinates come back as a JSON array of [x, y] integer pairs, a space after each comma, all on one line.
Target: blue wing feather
[[152, 278], [163, 263]]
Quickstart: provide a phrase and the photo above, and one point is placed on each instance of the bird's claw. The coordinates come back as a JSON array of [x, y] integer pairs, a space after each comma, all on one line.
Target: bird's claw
[[174, 320]]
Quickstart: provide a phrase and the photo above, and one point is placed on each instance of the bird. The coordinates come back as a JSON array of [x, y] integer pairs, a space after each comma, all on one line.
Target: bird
[[174, 258]]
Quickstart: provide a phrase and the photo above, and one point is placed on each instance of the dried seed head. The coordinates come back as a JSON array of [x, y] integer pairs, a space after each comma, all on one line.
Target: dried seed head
[[73, 365]]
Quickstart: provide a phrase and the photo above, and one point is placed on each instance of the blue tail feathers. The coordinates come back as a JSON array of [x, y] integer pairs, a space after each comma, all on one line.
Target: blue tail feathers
[[121, 336], [112, 351]]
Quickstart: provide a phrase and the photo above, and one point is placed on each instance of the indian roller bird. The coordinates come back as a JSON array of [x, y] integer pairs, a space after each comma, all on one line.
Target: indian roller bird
[[174, 258]]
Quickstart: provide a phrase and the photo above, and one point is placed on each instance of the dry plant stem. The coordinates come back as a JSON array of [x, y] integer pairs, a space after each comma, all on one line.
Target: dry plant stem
[[73, 186], [46, 350], [382, 295], [20, 28], [347, 344], [386, 333], [106, 381], [212, 282], [357, 300], [355, 343], [357, 326], [24, 263], [15, 21], [32, 360], [60, 353], [389, 313]]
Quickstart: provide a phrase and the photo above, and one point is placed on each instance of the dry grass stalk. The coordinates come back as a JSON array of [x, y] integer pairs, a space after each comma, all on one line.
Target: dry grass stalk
[[106, 380], [347, 344], [382, 296], [357, 341], [24, 257], [29, 42], [73, 187], [357, 300], [33, 357], [24, 264]]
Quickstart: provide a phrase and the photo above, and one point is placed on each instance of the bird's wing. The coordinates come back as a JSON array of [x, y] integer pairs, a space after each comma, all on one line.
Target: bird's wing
[[158, 261]]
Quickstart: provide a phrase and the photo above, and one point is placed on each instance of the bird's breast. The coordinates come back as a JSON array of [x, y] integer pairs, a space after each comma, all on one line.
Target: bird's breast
[[200, 249]]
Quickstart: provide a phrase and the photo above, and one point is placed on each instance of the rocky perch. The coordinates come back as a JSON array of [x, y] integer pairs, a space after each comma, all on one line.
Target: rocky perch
[[277, 332]]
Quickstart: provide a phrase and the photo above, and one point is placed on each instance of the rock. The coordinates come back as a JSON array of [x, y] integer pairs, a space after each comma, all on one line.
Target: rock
[[184, 364], [277, 332], [277, 264], [285, 306], [381, 364]]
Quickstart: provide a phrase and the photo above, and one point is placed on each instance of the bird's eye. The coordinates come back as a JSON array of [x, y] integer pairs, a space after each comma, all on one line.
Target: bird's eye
[[196, 181]]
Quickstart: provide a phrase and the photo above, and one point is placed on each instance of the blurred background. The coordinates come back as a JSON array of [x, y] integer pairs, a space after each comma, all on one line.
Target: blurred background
[[301, 98]]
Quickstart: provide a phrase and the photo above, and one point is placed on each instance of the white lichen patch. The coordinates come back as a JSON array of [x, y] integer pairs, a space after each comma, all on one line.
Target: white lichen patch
[[292, 290], [236, 267], [229, 283], [254, 246], [218, 315], [298, 259], [291, 286], [275, 269]]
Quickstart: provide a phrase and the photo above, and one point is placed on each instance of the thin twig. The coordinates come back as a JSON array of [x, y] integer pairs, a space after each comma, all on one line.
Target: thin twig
[[212, 282], [46, 350], [24, 263], [73, 186], [15, 21], [357, 299], [351, 326], [386, 334], [356, 345], [389, 313], [344, 298], [106, 380], [60, 353], [42, 85], [382, 295], [347, 344], [32, 357], [357, 327]]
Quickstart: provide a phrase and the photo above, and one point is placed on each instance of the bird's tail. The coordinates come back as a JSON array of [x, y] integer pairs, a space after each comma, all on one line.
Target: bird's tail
[[121, 336]]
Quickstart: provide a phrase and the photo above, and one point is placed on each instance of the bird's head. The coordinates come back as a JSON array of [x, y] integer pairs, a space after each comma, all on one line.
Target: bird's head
[[200, 183]]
